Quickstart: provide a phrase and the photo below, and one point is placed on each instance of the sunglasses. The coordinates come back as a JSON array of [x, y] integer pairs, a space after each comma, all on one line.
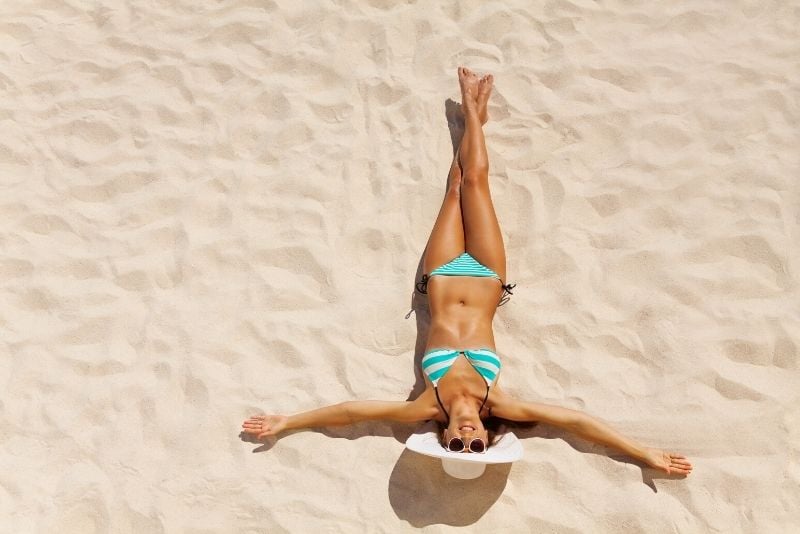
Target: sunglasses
[[475, 445]]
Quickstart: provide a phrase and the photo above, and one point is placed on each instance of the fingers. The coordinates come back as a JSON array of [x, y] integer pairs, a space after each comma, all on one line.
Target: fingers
[[260, 431], [255, 425], [679, 464], [254, 421], [679, 459]]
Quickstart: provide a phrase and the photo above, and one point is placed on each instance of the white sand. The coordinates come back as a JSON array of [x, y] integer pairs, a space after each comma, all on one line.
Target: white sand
[[210, 212]]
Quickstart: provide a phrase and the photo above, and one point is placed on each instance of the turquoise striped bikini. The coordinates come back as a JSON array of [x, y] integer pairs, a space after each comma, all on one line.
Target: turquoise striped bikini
[[465, 265], [437, 362]]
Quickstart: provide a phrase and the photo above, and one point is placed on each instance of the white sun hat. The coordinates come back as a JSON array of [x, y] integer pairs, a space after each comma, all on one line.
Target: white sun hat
[[505, 449]]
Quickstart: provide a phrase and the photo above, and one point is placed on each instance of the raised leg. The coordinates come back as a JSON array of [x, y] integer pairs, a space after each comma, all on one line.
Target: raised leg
[[447, 237], [482, 237]]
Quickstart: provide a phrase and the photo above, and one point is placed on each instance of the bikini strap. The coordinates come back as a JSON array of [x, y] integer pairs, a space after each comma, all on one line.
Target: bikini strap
[[436, 390], [484, 402]]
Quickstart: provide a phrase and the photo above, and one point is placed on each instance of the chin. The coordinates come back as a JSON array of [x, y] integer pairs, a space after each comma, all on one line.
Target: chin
[[471, 430]]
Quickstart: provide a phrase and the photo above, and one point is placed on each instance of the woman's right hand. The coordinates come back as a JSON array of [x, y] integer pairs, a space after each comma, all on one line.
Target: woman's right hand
[[263, 426]]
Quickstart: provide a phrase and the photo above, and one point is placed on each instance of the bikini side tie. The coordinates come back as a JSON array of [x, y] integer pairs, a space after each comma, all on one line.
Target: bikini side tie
[[506, 293], [422, 285]]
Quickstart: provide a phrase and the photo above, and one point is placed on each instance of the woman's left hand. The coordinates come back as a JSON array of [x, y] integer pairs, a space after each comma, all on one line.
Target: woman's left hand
[[669, 462]]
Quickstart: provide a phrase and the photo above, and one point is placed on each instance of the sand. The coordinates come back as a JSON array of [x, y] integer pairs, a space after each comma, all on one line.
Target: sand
[[217, 209]]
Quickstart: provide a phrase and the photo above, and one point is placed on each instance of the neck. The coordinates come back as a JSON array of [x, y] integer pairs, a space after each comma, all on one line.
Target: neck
[[464, 410]]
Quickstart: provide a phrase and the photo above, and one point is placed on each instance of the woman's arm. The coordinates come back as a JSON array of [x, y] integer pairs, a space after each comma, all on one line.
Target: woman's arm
[[344, 413], [347, 413], [592, 429]]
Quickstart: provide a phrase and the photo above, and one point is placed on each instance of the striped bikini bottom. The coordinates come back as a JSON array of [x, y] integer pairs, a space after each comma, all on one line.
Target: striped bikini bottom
[[465, 265]]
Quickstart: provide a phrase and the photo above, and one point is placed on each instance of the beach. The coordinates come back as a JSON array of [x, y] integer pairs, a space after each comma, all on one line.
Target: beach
[[216, 210]]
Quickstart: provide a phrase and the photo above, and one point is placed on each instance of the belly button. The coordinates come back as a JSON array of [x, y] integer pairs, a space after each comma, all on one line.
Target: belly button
[[461, 302]]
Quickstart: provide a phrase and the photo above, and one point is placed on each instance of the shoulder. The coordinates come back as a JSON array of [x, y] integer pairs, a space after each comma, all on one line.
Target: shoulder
[[507, 407], [422, 408], [503, 405]]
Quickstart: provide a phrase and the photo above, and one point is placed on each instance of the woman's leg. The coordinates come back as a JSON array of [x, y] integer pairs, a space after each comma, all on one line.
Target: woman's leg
[[482, 237], [447, 237]]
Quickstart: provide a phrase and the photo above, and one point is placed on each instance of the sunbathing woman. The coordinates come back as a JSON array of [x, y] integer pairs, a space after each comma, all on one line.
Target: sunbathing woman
[[466, 265]]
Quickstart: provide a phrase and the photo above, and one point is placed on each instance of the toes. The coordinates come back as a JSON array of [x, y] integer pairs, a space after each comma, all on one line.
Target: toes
[[485, 85]]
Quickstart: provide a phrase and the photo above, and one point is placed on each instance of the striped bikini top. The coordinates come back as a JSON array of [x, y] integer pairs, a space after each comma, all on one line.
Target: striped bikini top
[[436, 363]]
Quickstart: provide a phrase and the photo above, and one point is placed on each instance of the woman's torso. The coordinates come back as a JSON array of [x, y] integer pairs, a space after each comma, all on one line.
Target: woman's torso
[[462, 309]]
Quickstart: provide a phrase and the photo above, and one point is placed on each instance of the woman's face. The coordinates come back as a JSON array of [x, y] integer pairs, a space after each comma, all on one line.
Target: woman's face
[[467, 430]]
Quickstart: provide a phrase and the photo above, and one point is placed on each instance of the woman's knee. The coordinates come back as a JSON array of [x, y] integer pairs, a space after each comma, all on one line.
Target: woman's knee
[[476, 177], [453, 193]]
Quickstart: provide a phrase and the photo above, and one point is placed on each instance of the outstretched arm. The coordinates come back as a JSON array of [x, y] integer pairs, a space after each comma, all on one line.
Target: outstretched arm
[[344, 413], [592, 429]]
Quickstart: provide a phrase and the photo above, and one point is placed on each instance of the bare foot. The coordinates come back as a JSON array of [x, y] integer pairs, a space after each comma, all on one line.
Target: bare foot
[[468, 81], [670, 463], [484, 91]]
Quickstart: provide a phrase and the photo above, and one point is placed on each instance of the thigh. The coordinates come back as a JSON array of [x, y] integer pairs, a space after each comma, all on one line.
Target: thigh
[[482, 237], [447, 237]]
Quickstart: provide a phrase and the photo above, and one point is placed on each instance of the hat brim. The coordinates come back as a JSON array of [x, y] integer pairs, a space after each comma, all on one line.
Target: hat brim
[[505, 449]]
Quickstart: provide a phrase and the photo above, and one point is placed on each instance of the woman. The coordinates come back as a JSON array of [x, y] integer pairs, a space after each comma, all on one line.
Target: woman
[[460, 363]]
